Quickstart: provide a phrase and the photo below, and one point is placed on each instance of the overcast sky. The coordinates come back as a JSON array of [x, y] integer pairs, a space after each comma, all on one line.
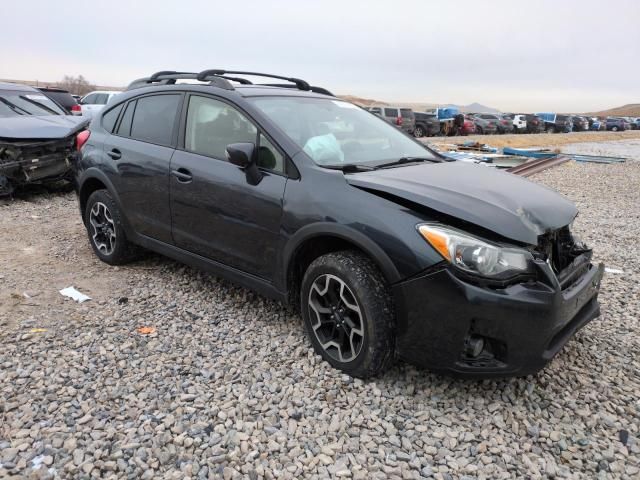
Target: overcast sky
[[572, 55]]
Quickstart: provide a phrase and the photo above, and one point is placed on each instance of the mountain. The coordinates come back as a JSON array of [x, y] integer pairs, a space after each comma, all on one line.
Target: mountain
[[477, 108], [420, 106], [629, 110]]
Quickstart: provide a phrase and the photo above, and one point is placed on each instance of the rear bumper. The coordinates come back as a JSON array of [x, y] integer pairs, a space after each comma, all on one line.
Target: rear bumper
[[522, 326]]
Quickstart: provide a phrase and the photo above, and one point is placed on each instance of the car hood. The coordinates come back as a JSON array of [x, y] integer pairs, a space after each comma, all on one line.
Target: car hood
[[504, 203], [40, 127]]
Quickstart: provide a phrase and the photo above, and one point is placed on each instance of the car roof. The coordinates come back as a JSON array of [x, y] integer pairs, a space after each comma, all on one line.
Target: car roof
[[103, 91], [16, 86], [244, 91], [52, 89]]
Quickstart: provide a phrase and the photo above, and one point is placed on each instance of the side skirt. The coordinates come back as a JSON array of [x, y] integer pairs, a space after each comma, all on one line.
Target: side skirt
[[259, 285]]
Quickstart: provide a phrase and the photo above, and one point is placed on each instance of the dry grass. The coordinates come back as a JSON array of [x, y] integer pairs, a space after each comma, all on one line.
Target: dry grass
[[541, 139]]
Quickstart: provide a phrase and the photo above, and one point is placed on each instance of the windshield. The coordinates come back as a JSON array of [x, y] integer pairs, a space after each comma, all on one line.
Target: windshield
[[333, 132], [27, 103]]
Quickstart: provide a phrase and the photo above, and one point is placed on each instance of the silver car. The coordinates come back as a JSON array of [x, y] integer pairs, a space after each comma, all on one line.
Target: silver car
[[399, 116]]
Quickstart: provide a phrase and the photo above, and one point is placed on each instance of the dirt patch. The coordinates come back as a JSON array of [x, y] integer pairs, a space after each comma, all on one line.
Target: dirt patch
[[44, 249]]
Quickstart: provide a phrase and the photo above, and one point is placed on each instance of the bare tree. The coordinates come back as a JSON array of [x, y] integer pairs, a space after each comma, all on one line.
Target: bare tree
[[76, 85]]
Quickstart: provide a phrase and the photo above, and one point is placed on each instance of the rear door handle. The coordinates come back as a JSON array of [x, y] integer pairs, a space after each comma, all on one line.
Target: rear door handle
[[183, 175], [115, 154]]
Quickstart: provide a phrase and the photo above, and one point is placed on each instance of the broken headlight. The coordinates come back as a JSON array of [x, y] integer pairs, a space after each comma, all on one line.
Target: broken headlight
[[476, 256]]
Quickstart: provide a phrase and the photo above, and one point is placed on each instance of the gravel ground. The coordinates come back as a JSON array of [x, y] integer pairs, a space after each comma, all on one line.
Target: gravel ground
[[552, 140], [227, 386]]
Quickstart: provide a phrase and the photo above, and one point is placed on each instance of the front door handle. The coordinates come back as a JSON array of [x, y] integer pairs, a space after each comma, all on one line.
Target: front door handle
[[115, 154], [183, 175]]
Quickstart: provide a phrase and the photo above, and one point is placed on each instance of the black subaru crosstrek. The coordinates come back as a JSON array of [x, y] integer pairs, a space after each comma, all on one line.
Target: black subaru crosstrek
[[387, 249]]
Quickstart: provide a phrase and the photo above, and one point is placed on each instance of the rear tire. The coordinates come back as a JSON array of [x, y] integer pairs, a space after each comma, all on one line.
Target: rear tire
[[107, 237], [418, 132], [479, 131], [348, 313], [614, 129]]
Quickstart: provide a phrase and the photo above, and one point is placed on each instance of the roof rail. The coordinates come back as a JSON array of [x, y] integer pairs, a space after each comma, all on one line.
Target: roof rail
[[312, 88], [168, 77], [301, 84], [222, 78]]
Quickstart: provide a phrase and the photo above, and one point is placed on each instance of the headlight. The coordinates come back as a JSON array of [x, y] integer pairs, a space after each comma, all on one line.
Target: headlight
[[474, 255]]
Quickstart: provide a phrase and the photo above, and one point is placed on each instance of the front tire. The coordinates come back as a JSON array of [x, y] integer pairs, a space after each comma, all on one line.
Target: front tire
[[348, 313], [103, 221], [418, 132], [614, 129]]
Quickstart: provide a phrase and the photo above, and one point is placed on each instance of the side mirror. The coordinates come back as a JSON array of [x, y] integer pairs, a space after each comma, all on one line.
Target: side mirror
[[243, 155]]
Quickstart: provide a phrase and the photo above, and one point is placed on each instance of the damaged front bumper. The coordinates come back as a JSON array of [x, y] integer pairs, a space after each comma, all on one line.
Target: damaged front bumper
[[447, 324], [28, 161]]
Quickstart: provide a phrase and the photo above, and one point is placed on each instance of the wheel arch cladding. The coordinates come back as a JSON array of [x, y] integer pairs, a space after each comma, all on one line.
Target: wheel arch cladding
[[89, 186], [305, 247]]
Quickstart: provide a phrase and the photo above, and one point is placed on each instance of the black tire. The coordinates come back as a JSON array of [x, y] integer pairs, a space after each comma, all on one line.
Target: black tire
[[367, 287], [479, 130], [119, 251], [550, 130], [418, 132], [614, 129]]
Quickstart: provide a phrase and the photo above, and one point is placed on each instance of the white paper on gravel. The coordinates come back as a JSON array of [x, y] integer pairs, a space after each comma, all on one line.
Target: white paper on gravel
[[71, 292], [612, 270]]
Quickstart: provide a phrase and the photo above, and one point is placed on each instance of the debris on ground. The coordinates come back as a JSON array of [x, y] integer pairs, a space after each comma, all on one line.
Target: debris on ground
[[71, 292], [520, 161], [146, 330]]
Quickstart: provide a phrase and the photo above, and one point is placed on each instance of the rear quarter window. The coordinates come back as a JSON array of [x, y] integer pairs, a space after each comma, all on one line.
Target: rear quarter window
[[406, 113], [109, 119], [390, 112]]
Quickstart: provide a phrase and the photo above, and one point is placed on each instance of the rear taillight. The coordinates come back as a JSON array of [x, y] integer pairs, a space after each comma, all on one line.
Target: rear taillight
[[76, 108], [399, 121], [82, 138]]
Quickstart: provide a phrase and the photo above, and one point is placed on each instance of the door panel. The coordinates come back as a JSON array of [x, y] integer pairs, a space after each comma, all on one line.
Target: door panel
[[215, 212], [141, 154], [143, 184], [220, 216]]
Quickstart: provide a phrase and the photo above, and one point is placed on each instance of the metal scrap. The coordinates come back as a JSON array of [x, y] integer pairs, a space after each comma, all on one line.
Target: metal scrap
[[538, 165]]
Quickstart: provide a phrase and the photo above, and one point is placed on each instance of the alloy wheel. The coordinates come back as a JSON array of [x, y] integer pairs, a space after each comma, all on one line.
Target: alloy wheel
[[336, 318], [103, 228]]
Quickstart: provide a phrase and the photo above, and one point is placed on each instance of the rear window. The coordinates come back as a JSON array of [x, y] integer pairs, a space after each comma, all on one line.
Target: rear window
[[406, 113], [63, 98], [154, 118], [390, 112], [16, 103], [101, 99]]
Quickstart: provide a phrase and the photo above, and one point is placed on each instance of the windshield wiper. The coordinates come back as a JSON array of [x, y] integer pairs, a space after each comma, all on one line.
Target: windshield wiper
[[350, 167], [405, 160], [14, 107]]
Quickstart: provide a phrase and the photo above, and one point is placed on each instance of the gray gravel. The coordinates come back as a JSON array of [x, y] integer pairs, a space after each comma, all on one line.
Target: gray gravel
[[227, 386]]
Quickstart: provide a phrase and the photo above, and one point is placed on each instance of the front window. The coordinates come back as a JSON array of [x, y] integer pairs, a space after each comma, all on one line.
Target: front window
[[18, 103], [334, 132]]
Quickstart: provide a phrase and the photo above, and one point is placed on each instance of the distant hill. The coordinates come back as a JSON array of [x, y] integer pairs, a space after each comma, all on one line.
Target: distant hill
[[420, 106], [630, 110], [477, 108]]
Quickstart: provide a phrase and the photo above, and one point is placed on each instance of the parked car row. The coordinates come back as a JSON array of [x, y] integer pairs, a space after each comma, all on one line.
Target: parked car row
[[448, 121]]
